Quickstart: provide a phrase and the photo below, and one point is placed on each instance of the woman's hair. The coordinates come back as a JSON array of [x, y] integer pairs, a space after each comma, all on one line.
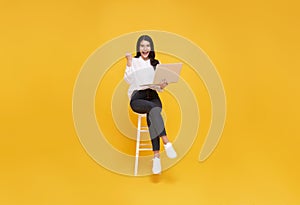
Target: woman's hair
[[153, 61]]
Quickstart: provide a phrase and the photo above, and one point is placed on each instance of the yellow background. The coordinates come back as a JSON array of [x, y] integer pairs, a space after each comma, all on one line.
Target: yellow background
[[255, 47]]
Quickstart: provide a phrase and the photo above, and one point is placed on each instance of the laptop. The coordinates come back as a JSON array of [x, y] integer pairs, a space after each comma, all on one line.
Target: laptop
[[166, 72]]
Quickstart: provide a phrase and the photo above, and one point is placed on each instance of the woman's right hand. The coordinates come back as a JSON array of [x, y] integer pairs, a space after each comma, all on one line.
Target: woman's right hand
[[129, 59]]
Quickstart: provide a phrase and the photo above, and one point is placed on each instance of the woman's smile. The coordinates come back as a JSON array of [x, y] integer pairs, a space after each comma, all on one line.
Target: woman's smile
[[145, 54]]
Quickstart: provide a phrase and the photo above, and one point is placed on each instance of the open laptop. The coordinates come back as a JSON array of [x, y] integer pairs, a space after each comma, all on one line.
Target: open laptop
[[166, 72]]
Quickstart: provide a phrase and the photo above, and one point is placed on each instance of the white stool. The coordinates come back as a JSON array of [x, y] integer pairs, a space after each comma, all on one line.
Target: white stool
[[140, 146]]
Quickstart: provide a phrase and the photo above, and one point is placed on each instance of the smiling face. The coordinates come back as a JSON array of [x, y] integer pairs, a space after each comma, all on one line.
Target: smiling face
[[145, 49]]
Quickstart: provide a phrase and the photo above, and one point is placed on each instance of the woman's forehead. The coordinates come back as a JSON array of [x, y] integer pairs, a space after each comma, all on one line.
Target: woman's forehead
[[144, 42]]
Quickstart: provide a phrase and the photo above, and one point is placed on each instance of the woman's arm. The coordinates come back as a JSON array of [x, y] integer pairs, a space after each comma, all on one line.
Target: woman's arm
[[129, 59], [129, 70]]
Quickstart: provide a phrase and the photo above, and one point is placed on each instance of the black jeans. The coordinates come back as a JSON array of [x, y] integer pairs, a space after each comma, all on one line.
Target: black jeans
[[148, 101]]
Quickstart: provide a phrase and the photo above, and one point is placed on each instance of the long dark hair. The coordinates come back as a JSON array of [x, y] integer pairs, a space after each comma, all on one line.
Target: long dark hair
[[153, 61]]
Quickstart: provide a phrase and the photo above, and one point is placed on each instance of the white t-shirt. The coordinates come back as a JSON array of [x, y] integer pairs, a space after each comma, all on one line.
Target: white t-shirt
[[140, 72]]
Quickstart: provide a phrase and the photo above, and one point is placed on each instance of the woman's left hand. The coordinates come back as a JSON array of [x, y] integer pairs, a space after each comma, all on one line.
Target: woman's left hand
[[163, 84]]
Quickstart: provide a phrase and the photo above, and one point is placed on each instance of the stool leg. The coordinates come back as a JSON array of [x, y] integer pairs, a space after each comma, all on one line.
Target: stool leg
[[137, 149]]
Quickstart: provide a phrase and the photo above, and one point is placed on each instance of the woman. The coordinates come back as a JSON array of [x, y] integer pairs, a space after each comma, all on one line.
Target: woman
[[144, 99]]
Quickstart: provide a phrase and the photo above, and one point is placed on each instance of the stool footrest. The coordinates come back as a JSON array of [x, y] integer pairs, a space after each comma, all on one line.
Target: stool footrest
[[145, 149], [145, 144]]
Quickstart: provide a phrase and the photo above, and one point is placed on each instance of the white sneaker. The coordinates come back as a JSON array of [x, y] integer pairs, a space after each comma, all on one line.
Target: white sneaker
[[171, 153], [156, 169]]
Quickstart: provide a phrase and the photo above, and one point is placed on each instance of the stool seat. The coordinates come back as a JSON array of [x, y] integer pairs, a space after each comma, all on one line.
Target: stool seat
[[140, 146]]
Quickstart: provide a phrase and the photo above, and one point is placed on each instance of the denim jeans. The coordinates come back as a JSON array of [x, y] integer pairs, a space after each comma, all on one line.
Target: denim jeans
[[147, 101]]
